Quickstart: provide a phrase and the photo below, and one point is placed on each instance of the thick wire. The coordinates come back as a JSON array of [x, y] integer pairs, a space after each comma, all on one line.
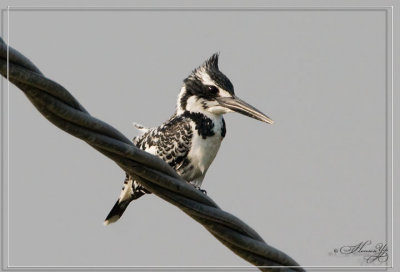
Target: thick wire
[[64, 111]]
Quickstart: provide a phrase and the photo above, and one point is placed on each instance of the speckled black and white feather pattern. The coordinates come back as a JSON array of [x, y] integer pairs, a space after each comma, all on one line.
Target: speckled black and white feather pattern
[[173, 142]]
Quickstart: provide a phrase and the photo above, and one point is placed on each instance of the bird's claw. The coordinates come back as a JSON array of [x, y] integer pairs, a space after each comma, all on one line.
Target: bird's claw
[[202, 190]]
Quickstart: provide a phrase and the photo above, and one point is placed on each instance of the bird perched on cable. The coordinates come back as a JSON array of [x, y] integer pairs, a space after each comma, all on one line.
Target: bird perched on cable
[[189, 140]]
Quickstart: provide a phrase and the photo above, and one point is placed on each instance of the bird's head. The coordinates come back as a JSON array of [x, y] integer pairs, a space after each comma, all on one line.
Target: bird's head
[[209, 91]]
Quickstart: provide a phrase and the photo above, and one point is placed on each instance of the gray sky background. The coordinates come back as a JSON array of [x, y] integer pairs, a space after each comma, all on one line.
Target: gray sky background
[[312, 182]]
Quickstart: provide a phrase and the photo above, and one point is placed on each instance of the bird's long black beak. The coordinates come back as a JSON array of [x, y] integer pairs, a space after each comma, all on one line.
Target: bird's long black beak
[[238, 105]]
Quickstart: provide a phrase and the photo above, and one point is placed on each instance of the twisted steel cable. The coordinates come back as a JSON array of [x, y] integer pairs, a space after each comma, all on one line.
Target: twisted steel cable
[[63, 110]]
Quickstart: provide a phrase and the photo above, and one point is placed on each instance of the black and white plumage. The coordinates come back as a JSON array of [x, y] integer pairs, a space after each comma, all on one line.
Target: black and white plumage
[[190, 139]]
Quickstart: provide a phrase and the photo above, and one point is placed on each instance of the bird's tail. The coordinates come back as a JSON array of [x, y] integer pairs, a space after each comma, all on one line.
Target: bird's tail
[[129, 193], [116, 212]]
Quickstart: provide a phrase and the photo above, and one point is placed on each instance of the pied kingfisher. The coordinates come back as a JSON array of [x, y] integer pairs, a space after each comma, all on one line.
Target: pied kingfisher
[[190, 139]]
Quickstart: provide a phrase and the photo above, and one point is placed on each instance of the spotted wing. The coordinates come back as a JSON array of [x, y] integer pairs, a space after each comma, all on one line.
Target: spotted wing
[[171, 141]]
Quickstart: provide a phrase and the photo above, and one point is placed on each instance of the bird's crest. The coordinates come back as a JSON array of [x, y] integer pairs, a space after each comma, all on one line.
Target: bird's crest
[[212, 62]]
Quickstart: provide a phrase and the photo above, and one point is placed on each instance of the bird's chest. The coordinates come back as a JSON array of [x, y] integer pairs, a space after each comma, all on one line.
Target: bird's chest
[[207, 138]]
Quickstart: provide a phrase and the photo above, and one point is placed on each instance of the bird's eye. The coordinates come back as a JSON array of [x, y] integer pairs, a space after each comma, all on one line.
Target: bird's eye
[[213, 89]]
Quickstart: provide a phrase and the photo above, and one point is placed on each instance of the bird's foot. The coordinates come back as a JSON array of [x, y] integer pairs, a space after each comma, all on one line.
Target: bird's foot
[[202, 190]]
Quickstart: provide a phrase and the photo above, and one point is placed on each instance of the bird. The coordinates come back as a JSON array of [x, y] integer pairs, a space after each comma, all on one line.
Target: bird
[[190, 139]]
